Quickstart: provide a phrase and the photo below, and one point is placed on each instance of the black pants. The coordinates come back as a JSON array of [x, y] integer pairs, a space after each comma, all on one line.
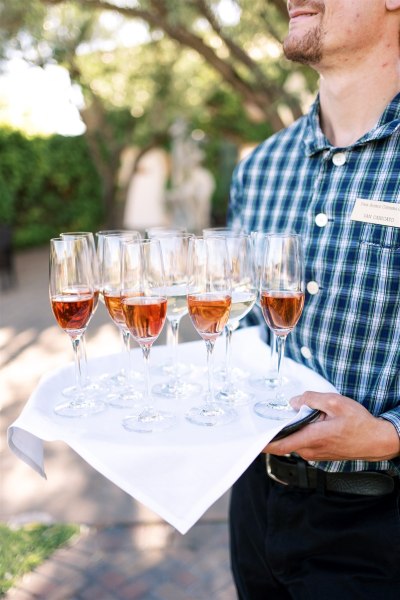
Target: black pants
[[293, 544]]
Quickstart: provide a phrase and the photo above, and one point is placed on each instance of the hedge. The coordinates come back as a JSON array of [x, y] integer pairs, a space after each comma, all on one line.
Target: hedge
[[47, 185]]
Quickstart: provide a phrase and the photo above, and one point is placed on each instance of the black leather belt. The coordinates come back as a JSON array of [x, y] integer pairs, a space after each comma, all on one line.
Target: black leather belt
[[296, 472]]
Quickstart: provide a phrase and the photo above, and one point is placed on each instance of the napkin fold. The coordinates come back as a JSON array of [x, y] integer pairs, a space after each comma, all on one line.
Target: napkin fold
[[178, 473]]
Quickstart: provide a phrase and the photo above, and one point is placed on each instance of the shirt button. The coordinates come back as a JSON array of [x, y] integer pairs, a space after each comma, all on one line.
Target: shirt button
[[339, 159], [306, 352], [321, 220], [312, 287]]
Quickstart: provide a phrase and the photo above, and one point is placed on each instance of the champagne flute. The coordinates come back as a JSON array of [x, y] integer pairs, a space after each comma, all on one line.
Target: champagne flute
[[93, 260], [144, 305], [270, 379], [209, 302], [243, 298], [99, 245], [174, 249], [124, 394], [119, 378], [221, 371], [172, 367], [282, 302], [71, 291], [89, 385]]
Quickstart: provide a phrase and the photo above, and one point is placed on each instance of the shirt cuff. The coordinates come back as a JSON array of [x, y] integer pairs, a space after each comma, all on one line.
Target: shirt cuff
[[394, 417]]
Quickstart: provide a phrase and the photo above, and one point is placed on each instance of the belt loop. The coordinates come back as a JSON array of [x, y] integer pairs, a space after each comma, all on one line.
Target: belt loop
[[302, 475]]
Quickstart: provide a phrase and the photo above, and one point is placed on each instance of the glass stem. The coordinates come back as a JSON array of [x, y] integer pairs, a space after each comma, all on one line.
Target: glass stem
[[78, 369], [228, 356], [274, 353], [210, 368], [169, 342], [280, 342], [146, 356], [126, 340], [174, 342], [83, 361]]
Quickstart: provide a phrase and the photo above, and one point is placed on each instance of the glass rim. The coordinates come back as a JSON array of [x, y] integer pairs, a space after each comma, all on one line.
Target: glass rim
[[76, 233], [111, 232], [276, 234]]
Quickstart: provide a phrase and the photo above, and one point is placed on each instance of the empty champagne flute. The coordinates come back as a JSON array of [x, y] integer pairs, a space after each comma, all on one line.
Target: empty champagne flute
[[144, 305], [243, 298], [174, 249], [282, 302], [115, 379], [209, 301], [270, 379], [171, 366], [123, 393], [221, 371], [71, 290]]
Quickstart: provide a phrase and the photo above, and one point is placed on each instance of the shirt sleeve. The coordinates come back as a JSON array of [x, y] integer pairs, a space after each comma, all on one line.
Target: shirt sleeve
[[394, 417]]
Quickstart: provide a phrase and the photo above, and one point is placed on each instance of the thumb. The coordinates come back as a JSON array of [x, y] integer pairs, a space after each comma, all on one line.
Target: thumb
[[325, 402]]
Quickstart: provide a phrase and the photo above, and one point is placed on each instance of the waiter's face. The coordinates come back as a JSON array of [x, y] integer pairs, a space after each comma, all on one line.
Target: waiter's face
[[322, 31]]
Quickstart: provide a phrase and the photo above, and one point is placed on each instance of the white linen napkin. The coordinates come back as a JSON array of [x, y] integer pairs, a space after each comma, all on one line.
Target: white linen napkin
[[178, 473]]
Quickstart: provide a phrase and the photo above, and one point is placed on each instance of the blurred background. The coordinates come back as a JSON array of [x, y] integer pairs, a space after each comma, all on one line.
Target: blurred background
[[134, 113], [119, 113]]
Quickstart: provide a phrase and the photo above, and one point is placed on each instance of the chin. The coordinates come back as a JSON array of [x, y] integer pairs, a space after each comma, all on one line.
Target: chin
[[305, 49]]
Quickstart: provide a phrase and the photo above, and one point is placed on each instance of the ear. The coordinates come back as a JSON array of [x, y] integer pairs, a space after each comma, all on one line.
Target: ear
[[392, 4]]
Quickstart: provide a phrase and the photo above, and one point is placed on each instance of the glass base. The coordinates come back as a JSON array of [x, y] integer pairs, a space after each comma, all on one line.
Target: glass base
[[176, 390], [79, 408], [120, 379], [234, 396], [274, 410], [211, 414], [125, 399], [149, 421], [168, 368], [90, 388], [270, 381], [237, 374]]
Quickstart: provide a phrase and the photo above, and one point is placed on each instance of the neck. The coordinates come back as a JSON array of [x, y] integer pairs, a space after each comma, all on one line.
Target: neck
[[353, 98]]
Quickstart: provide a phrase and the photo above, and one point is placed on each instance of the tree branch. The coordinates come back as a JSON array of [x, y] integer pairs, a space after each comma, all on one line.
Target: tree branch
[[261, 99]]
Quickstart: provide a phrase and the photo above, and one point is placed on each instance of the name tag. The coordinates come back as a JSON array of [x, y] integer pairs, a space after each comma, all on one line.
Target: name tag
[[378, 213]]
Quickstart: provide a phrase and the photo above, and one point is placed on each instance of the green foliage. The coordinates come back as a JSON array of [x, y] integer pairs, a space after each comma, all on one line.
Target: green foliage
[[47, 185], [220, 158], [226, 77], [23, 549]]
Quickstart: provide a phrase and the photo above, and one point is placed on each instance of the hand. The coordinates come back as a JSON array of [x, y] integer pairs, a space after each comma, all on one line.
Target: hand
[[344, 431]]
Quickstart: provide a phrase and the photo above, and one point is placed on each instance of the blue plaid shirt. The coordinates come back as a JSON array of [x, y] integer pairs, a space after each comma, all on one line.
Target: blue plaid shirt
[[350, 328]]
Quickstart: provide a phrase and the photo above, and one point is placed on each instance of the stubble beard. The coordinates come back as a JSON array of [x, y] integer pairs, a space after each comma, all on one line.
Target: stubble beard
[[306, 50]]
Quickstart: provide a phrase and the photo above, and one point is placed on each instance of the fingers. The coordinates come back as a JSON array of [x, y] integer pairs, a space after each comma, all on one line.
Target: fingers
[[329, 403], [302, 439]]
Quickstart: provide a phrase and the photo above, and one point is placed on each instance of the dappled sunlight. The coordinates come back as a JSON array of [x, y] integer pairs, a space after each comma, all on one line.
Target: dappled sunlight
[[15, 343], [6, 333], [29, 355], [156, 537]]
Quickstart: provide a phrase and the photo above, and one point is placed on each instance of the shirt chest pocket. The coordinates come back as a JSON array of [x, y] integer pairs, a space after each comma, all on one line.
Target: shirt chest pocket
[[380, 236]]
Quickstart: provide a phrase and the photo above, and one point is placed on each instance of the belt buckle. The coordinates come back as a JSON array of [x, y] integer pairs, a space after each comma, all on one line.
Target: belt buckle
[[270, 473]]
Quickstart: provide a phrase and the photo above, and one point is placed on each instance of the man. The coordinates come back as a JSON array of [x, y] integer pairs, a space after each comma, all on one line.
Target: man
[[325, 523]]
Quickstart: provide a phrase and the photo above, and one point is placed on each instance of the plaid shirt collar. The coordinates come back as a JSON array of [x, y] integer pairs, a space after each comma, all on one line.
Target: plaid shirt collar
[[315, 141]]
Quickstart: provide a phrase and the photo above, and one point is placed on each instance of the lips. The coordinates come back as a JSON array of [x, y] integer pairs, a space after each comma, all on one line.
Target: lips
[[302, 11], [294, 14]]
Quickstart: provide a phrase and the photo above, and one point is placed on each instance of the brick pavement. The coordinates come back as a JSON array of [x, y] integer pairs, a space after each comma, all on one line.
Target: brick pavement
[[123, 551], [140, 562]]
